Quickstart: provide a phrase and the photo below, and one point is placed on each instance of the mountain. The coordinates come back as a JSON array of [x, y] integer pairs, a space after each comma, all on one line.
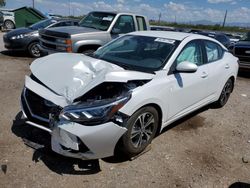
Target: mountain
[[208, 22]]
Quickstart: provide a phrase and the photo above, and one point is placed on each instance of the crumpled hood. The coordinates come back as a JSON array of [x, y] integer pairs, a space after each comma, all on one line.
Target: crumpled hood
[[71, 75]]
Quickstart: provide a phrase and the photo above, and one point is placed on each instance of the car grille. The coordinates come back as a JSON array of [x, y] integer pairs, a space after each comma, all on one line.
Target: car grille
[[38, 108], [242, 51], [48, 39]]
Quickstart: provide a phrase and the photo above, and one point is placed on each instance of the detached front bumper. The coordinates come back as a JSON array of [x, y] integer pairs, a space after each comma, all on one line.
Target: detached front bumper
[[68, 138], [85, 142]]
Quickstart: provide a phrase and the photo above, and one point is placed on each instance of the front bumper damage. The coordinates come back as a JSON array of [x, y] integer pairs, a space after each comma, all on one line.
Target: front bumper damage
[[68, 138]]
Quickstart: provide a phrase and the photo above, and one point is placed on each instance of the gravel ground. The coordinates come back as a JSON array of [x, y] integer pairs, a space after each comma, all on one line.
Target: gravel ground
[[210, 148]]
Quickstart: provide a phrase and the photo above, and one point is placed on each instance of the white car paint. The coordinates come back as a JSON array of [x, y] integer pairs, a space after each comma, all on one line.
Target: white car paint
[[72, 75]]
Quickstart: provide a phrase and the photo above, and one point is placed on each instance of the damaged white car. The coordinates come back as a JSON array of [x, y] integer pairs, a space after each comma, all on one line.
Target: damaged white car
[[126, 91]]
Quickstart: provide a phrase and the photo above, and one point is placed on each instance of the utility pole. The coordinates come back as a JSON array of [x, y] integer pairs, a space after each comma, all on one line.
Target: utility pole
[[159, 20], [33, 3], [69, 7], [225, 18]]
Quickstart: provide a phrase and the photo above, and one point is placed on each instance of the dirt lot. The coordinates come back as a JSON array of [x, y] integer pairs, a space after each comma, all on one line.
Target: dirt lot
[[208, 149]]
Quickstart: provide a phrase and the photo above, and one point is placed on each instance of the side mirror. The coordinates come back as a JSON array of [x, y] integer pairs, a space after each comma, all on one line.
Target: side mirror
[[186, 66], [115, 31]]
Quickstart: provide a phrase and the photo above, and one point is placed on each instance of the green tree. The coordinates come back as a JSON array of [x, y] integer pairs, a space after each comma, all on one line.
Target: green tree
[[2, 3]]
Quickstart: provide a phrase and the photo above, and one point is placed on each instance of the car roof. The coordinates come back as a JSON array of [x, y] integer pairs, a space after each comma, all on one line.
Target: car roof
[[118, 12], [64, 19], [165, 34]]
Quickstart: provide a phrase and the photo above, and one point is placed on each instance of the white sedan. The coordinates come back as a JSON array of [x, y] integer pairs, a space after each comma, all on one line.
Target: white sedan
[[126, 92]]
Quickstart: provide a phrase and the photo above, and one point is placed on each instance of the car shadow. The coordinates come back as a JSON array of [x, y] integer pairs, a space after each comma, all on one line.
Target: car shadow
[[244, 73], [12, 53], [239, 185], [40, 141]]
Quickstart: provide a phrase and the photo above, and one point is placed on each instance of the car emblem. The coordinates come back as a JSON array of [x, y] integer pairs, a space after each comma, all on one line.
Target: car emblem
[[247, 52]]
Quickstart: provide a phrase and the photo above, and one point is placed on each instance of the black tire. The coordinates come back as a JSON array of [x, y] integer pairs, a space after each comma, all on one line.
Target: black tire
[[137, 138], [8, 24], [34, 49], [88, 51], [225, 94]]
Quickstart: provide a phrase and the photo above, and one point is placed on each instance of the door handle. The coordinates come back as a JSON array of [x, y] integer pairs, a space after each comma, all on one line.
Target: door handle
[[227, 66], [204, 75]]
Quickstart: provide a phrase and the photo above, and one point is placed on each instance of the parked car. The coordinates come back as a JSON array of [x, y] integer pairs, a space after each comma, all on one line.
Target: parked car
[[126, 91], [241, 50], [94, 30], [233, 38], [9, 20], [1, 19], [26, 39], [218, 36]]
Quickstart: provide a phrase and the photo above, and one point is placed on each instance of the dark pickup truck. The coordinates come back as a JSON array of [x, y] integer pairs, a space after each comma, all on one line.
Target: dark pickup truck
[[241, 50]]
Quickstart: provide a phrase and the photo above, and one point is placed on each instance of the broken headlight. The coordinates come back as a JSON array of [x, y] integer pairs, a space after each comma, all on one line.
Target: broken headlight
[[93, 113]]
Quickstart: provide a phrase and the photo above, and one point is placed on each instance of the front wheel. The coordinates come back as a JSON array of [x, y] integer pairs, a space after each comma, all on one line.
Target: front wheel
[[142, 127], [8, 24], [225, 94], [34, 50]]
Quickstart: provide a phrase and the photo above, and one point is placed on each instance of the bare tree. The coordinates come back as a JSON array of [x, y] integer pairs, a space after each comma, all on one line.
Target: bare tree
[[2, 3]]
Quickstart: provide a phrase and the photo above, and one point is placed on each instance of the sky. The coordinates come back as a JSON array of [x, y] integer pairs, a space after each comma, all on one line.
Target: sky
[[171, 10]]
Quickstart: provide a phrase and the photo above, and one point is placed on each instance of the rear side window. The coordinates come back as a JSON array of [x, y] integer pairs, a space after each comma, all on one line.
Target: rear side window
[[142, 26], [214, 51]]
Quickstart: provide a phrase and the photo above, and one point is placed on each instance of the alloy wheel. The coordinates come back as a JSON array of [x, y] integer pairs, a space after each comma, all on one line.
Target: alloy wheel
[[142, 129], [226, 92]]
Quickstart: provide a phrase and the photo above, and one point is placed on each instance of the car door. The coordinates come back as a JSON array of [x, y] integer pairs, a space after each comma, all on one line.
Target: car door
[[220, 68], [189, 90]]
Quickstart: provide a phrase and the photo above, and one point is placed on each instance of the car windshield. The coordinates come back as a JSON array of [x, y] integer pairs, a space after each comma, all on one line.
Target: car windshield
[[140, 53], [42, 24], [97, 20], [246, 37]]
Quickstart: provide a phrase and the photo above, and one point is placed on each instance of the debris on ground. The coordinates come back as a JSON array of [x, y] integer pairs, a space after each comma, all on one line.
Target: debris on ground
[[4, 168]]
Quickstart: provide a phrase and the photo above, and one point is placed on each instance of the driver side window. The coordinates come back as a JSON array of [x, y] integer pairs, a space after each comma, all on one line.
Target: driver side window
[[192, 53], [124, 24]]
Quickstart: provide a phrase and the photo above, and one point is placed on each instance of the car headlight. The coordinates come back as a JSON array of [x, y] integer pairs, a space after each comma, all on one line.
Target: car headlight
[[18, 37], [21, 36], [93, 114]]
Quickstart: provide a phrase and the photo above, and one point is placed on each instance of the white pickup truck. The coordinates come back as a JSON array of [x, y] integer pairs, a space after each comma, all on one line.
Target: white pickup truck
[[94, 30]]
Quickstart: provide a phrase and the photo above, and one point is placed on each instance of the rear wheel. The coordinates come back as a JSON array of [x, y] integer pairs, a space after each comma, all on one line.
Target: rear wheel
[[8, 24], [225, 94], [142, 127], [34, 49]]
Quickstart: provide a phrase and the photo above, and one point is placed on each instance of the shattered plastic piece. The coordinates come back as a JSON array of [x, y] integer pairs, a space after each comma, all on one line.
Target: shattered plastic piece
[[244, 95], [4, 168]]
